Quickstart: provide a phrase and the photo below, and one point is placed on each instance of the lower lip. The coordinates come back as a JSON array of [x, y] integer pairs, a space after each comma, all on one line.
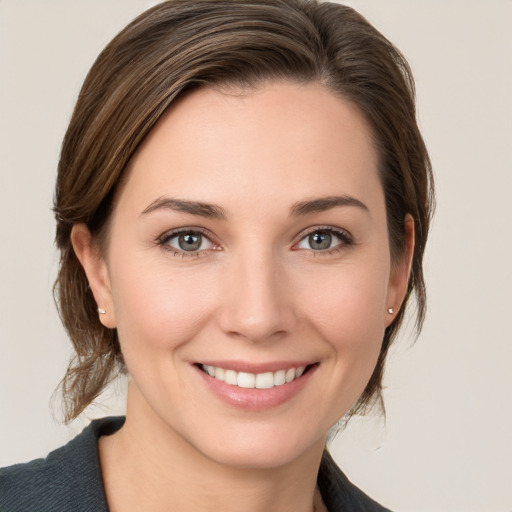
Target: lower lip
[[256, 399]]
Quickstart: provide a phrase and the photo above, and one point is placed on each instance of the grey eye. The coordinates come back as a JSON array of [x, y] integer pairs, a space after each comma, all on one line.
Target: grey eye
[[189, 241], [321, 240]]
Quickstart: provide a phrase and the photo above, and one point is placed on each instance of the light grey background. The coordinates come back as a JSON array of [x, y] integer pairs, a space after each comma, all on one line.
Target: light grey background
[[446, 445]]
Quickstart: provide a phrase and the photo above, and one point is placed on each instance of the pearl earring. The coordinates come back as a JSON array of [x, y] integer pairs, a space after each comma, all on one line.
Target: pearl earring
[[102, 311], [391, 311]]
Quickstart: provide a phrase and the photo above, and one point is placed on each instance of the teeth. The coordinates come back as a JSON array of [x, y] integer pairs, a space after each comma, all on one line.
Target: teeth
[[246, 380], [290, 374], [219, 374], [265, 380], [231, 377], [279, 378]]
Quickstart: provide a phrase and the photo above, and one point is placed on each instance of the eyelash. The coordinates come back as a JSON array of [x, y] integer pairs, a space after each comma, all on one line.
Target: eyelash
[[163, 241], [344, 236]]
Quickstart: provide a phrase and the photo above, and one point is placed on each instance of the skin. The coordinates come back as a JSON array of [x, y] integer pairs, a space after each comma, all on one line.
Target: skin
[[257, 291]]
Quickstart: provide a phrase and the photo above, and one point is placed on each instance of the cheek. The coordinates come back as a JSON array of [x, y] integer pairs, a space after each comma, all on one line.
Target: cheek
[[350, 304], [158, 308], [348, 316]]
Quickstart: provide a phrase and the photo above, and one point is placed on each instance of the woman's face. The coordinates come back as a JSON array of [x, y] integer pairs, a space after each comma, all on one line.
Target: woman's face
[[249, 242]]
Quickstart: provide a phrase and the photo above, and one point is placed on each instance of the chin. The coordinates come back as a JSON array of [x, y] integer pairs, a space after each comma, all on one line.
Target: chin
[[261, 447]]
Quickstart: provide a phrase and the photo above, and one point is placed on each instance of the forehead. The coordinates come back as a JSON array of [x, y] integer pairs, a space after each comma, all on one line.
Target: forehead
[[275, 143]]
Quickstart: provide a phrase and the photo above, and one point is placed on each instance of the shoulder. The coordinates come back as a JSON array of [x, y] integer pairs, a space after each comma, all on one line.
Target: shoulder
[[68, 479], [339, 494]]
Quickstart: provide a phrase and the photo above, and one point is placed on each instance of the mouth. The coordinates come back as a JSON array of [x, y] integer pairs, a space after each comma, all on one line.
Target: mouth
[[264, 380]]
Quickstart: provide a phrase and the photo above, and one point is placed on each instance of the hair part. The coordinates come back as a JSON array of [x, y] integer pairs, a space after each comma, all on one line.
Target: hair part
[[181, 45]]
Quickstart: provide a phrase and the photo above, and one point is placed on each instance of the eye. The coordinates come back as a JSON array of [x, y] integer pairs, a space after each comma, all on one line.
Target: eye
[[321, 240], [187, 241]]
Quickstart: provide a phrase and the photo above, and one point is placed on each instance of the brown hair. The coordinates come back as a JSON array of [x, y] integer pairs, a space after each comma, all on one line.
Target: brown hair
[[184, 44]]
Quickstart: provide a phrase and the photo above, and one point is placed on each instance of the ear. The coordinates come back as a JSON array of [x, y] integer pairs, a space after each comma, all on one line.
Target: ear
[[95, 267], [399, 275]]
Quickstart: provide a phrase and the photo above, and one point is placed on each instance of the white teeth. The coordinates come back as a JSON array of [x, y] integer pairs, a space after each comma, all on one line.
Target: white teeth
[[290, 374], [279, 378], [246, 380], [231, 377], [265, 380]]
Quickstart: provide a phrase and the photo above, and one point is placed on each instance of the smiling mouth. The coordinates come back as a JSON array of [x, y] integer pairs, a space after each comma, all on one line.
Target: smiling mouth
[[247, 380]]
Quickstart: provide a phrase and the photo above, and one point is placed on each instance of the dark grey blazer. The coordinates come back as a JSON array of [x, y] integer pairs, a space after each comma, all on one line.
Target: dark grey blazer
[[69, 480]]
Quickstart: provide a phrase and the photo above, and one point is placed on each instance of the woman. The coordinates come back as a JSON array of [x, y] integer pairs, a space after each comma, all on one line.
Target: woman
[[242, 202]]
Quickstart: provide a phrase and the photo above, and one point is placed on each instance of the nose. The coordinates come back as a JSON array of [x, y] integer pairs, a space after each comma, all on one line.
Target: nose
[[257, 299]]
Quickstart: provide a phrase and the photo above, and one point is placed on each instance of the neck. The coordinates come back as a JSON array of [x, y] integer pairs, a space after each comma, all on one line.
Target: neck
[[147, 466]]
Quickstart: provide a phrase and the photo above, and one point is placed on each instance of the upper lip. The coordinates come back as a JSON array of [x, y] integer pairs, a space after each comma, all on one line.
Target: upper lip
[[251, 367]]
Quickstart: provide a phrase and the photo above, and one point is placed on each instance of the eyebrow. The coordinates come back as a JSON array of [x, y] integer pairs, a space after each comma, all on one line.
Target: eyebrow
[[217, 212], [326, 203], [192, 207]]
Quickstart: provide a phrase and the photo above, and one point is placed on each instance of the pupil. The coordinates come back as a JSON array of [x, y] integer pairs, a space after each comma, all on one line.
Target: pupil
[[189, 242], [320, 240]]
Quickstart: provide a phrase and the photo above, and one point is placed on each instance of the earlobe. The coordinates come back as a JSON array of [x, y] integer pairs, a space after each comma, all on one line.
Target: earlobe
[[400, 273], [96, 270]]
